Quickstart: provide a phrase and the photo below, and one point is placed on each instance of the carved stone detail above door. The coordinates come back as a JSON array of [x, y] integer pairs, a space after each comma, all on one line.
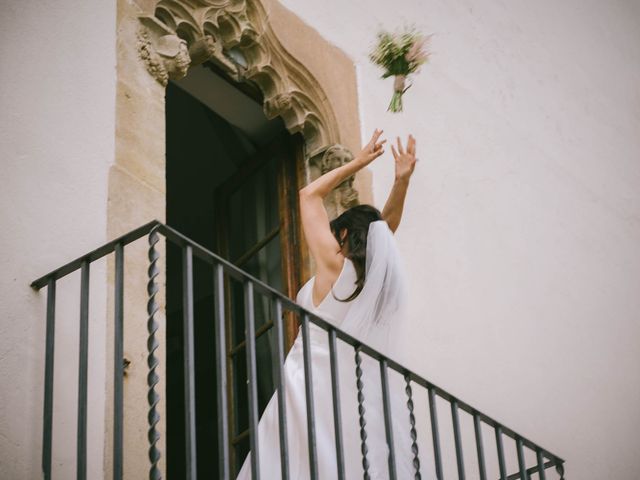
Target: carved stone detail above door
[[344, 196], [163, 52], [237, 37]]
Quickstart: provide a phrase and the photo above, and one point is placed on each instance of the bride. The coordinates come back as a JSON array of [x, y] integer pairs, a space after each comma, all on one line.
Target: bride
[[359, 288]]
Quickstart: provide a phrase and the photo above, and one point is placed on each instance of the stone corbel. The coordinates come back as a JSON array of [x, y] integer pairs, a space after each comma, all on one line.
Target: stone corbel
[[165, 55], [208, 48], [344, 196], [278, 105]]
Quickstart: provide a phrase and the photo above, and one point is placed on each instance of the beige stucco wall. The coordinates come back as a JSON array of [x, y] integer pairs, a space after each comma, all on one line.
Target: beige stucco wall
[[56, 144], [521, 227]]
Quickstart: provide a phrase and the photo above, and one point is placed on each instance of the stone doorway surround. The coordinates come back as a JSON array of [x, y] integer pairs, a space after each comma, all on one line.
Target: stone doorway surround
[[306, 81]]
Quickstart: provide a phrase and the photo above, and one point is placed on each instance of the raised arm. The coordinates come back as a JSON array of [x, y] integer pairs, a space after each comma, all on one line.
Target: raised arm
[[405, 162], [315, 222]]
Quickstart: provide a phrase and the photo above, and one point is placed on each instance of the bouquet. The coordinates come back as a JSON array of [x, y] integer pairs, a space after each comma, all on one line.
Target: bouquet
[[400, 55]]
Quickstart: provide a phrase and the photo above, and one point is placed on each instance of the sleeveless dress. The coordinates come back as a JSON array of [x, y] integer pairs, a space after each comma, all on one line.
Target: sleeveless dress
[[333, 311]]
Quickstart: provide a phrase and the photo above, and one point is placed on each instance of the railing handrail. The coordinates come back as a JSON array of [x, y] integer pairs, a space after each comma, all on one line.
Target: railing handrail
[[241, 275], [96, 254]]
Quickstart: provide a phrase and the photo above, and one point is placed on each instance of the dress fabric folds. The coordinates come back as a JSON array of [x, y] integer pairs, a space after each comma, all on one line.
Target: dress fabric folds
[[374, 317]]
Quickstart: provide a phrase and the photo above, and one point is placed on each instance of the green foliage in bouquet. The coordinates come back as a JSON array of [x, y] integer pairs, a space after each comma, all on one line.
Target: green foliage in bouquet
[[400, 55]]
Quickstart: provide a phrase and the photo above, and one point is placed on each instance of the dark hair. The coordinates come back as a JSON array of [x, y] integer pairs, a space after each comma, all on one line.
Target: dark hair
[[356, 221]]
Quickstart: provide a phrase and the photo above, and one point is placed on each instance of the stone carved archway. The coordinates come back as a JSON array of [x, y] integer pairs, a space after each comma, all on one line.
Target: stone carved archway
[[237, 37]]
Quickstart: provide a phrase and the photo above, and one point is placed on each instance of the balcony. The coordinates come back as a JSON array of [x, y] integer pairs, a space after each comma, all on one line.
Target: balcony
[[444, 459]]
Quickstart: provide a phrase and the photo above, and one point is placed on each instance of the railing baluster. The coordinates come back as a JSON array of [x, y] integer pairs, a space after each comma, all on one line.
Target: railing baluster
[[221, 372], [252, 378], [81, 460], [282, 404], [500, 449], [308, 380], [388, 425], [191, 248], [435, 434], [521, 464], [118, 365], [47, 415], [457, 438], [335, 390], [152, 362], [189, 363], [479, 447], [361, 411], [541, 470], [413, 432]]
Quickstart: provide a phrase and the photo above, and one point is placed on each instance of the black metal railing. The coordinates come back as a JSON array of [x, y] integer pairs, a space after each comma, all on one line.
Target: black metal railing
[[222, 269]]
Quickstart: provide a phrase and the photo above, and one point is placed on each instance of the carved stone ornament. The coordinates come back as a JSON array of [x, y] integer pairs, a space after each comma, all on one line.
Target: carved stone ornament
[[164, 53], [237, 37], [335, 156]]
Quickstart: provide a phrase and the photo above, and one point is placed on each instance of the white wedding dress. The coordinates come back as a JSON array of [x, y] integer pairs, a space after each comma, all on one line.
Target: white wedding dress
[[375, 318]]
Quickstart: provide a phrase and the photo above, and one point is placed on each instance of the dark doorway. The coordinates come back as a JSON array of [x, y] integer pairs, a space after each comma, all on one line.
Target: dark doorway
[[230, 185]]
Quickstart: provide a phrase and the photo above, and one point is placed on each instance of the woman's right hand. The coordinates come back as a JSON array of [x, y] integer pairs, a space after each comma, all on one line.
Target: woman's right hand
[[371, 150], [405, 160]]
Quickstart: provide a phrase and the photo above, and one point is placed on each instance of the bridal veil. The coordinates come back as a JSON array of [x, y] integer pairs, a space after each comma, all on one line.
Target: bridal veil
[[377, 317]]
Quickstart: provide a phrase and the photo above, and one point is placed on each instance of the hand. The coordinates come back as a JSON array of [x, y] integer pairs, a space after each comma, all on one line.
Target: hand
[[405, 161], [371, 150]]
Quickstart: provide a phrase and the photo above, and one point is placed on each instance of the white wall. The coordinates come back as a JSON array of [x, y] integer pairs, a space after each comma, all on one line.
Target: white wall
[[56, 144], [522, 226]]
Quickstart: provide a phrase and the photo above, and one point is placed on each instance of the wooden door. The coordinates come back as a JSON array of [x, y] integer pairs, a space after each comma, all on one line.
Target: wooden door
[[258, 230]]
